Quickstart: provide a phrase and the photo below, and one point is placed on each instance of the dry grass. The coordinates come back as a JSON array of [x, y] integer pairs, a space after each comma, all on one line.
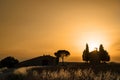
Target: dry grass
[[58, 73]]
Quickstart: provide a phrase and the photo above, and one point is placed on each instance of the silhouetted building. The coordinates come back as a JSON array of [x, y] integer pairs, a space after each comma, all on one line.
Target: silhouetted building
[[94, 57], [45, 60]]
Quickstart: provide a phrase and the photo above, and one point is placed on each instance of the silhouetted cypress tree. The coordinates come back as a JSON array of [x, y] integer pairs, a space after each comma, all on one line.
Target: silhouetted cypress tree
[[103, 54], [86, 54], [101, 48]]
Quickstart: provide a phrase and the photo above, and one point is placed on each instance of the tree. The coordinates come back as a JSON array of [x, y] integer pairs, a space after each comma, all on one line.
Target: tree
[[61, 54], [9, 62], [86, 53], [57, 60], [103, 54]]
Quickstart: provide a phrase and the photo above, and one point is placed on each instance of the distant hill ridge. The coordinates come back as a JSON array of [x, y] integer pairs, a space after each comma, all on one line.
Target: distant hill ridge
[[38, 61]]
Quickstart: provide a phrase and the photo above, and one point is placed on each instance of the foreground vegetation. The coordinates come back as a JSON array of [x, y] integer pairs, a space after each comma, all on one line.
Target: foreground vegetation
[[61, 73]]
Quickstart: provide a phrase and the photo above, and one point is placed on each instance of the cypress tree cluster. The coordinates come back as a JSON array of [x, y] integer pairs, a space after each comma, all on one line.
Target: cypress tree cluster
[[102, 55]]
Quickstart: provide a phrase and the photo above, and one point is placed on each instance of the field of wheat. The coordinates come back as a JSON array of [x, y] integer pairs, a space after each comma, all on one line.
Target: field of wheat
[[56, 73]]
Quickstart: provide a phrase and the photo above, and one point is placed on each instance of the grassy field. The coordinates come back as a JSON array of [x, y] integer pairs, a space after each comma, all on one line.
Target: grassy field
[[70, 71]]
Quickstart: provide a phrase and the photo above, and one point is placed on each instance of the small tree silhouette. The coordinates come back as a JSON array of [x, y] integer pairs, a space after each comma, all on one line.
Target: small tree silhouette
[[9, 62], [103, 54], [86, 54], [61, 54]]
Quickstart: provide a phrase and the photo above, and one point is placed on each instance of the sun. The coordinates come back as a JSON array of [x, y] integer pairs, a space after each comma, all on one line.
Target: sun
[[93, 39], [93, 45]]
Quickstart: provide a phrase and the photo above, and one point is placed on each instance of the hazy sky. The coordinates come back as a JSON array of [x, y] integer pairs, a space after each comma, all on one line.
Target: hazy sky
[[30, 28]]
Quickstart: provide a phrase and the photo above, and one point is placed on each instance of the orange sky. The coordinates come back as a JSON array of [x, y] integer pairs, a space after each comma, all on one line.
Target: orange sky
[[30, 28]]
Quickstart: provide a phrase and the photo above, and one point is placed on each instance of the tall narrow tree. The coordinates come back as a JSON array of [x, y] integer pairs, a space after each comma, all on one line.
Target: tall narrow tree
[[101, 48], [103, 54], [86, 53]]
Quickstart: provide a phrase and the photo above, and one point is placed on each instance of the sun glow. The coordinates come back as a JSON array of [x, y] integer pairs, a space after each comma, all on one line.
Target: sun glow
[[94, 41], [93, 38], [93, 45]]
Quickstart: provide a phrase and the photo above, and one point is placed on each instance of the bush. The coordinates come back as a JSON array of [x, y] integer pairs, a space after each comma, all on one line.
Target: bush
[[9, 62]]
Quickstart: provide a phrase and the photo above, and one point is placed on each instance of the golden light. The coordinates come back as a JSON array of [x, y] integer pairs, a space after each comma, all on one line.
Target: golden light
[[93, 38], [93, 45]]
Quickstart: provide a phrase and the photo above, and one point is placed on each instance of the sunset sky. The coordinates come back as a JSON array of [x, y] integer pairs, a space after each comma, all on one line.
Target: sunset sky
[[31, 28]]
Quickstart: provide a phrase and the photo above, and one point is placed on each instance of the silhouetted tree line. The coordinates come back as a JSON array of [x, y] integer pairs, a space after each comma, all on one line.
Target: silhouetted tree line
[[11, 62], [96, 56], [92, 57]]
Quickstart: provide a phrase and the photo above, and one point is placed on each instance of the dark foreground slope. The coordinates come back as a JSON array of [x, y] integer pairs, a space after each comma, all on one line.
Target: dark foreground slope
[[112, 66], [68, 71]]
